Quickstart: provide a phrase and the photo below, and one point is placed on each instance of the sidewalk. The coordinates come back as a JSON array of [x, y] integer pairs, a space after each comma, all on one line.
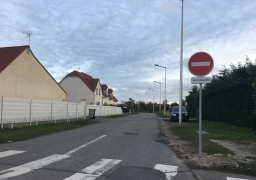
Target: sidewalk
[[240, 149]]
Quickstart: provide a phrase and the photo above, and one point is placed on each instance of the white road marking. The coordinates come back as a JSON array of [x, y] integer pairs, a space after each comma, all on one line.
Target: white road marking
[[195, 64], [170, 171], [28, 167], [80, 147], [230, 178], [10, 153], [95, 170]]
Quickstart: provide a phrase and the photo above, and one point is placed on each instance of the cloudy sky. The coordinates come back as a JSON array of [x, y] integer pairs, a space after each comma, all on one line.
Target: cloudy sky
[[119, 41]]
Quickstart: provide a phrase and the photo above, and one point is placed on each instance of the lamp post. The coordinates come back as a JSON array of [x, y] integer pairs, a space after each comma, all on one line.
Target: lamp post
[[164, 88], [160, 96], [153, 99], [126, 99], [181, 66], [139, 103]]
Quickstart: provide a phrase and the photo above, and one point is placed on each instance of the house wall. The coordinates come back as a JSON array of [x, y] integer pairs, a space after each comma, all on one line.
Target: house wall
[[98, 97], [26, 78], [77, 90]]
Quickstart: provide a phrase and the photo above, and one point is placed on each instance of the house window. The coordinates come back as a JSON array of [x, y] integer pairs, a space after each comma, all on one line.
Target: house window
[[96, 91], [99, 91]]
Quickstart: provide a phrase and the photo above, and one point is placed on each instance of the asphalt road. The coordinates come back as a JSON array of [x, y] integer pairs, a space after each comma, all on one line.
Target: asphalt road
[[126, 148]]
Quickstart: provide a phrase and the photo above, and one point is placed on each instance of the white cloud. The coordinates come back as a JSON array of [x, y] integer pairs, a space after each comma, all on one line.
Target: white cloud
[[120, 41]]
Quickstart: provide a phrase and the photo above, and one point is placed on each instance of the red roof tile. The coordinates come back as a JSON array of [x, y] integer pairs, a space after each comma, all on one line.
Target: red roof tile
[[9, 54]]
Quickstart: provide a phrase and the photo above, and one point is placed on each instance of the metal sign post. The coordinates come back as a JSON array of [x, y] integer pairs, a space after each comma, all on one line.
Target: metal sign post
[[200, 120], [200, 64]]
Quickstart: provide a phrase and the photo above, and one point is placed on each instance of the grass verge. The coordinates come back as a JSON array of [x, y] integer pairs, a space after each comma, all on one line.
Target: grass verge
[[161, 114], [219, 131], [19, 134]]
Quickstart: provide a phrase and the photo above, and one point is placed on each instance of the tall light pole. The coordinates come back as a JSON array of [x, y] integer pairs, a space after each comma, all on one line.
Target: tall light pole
[[160, 96], [126, 99], [153, 99], [139, 103], [181, 66], [164, 88]]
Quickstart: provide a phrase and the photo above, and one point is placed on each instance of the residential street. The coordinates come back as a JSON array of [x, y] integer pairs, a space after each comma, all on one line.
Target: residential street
[[126, 148]]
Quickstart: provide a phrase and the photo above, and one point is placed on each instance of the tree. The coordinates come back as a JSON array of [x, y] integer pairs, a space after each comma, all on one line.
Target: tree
[[192, 101]]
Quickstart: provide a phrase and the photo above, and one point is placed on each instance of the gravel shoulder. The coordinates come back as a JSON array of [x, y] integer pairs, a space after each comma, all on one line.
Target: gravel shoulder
[[189, 154]]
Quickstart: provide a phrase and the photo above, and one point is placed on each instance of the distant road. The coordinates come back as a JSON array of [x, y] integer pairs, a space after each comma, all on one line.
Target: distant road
[[126, 148]]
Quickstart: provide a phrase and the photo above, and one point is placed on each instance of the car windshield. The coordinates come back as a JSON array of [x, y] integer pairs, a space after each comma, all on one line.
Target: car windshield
[[176, 109]]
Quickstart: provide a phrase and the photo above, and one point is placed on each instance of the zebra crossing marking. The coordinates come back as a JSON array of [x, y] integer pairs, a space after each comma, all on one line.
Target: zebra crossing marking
[[28, 167], [95, 170], [169, 171], [10, 153]]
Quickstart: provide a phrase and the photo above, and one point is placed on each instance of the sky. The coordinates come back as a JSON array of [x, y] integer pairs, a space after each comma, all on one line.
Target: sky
[[119, 41]]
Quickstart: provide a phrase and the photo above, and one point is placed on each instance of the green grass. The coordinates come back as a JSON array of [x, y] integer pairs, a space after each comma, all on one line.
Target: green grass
[[218, 131], [161, 114], [18, 134]]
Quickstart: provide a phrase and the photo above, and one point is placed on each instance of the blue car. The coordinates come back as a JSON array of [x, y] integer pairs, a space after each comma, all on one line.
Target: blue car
[[175, 114]]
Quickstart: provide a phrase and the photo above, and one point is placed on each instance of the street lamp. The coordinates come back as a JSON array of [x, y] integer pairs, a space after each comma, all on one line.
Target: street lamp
[[126, 99], [139, 103], [160, 96], [181, 68], [153, 99], [164, 88]]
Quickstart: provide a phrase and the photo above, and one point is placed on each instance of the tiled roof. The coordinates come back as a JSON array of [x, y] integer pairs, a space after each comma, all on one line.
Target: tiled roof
[[104, 86], [104, 94], [9, 54], [110, 90], [93, 83], [115, 99]]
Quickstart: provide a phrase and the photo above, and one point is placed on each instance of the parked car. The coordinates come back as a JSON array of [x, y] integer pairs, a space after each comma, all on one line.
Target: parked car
[[175, 114]]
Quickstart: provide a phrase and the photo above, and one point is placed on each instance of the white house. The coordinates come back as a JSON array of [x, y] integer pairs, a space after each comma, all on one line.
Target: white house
[[79, 85]]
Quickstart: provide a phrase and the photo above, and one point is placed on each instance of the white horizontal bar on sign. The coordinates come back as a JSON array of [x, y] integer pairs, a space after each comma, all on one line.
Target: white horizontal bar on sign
[[203, 80], [10, 153], [195, 64]]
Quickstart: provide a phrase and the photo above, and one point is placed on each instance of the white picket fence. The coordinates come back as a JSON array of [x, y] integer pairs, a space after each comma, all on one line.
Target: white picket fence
[[104, 110], [34, 111]]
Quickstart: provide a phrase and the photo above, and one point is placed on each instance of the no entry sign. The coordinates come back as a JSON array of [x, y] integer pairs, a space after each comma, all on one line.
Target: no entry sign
[[200, 64]]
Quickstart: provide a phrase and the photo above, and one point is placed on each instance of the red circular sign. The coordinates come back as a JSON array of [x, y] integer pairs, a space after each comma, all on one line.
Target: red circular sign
[[200, 64]]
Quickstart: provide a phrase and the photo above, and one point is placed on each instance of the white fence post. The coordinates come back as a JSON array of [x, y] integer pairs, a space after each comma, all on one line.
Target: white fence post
[[30, 113], [2, 113], [51, 110], [76, 112], [84, 101], [67, 111]]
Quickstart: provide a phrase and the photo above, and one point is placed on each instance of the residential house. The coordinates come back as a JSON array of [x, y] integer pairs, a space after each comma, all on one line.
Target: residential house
[[79, 85], [23, 76], [108, 97]]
